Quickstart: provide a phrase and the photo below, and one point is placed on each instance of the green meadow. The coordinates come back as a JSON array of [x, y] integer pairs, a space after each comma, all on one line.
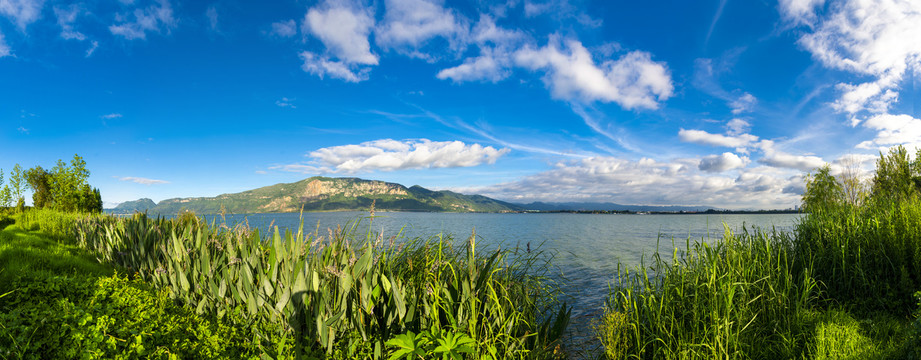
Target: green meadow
[[845, 283]]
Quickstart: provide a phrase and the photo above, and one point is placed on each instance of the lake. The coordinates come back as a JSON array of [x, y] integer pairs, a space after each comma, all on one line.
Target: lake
[[587, 247]]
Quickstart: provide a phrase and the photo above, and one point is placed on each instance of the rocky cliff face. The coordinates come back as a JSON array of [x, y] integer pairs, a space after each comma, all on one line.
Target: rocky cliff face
[[323, 188]]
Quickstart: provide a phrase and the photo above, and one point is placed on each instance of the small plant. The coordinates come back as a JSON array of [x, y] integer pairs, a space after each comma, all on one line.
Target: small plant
[[441, 344]]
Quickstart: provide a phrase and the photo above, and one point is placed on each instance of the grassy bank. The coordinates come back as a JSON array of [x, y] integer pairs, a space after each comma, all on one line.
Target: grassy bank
[[58, 302], [845, 284], [335, 295]]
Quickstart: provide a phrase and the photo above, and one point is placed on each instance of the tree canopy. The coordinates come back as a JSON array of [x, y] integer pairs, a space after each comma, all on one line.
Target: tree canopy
[[63, 188]]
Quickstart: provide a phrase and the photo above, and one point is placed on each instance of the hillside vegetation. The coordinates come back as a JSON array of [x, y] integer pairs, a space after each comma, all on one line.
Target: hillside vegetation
[[324, 194]]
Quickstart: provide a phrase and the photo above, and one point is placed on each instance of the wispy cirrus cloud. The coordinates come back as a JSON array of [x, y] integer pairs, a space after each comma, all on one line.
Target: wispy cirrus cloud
[[875, 39], [111, 116], [22, 12], [136, 24], [142, 181]]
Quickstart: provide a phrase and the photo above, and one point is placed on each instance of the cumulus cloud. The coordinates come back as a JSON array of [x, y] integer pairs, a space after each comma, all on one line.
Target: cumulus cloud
[[879, 39], [143, 181], [496, 45], [284, 28], [22, 12], [724, 162], [343, 28], [784, 160], [633, 81], [649, 182], [136, 25], [737, 127], [390, 155], [893, 130], [704, 138], [800, 12], [409, 24]]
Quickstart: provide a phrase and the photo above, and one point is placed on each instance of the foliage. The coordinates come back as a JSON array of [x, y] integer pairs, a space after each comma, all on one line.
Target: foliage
[[57, 302], [823, 191], [733, 299], [875, 250], [896, 176], [437, 343], [17, 184], [5, 194], [57, 225], [38, 180], [341, 294], [64, 188]]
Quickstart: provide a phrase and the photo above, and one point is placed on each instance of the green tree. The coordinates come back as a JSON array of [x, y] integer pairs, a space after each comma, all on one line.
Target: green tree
[[896, 176], [39, 180], [17, 185], [4, 192], [823, 191]]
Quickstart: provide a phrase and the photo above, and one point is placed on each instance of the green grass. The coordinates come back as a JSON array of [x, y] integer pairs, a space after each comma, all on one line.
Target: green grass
[[839, 287], [342, 294], [58, 302]]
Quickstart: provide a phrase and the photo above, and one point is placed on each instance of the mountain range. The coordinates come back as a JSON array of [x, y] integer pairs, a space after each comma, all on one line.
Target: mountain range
[[342, 194]]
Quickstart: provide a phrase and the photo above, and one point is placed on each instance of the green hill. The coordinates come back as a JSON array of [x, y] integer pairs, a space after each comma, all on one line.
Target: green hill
[[327, 194]]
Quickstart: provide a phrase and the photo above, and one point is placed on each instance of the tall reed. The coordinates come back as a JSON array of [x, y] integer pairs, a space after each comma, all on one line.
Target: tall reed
[[868, 257], [735, 298], [342, 294]]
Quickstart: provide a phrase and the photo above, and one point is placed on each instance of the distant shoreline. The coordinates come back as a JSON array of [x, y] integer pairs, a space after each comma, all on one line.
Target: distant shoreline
[[609, 212]]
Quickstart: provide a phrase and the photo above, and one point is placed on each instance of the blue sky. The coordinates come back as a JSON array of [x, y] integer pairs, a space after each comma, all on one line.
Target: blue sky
[[721, 103]]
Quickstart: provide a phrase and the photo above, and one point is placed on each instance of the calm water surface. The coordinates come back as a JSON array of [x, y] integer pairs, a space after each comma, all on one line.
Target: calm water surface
[[587, 247]]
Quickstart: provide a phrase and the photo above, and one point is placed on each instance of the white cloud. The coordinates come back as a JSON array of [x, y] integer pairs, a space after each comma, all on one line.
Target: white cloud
[[285, 102], [4, 48], [677, 182], [212, 16], [737, 127], [154, 18], [800, 11], [143, 181], [111, 116], [743, 103], [409, 24], [67, 16], [724, 162], [321, 66], [704, 138], [633, 81], [893, 130], [496, 46], [22, 12], [799, 162], [880, 39], [284, 28], [390, 155], [343, 28]]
